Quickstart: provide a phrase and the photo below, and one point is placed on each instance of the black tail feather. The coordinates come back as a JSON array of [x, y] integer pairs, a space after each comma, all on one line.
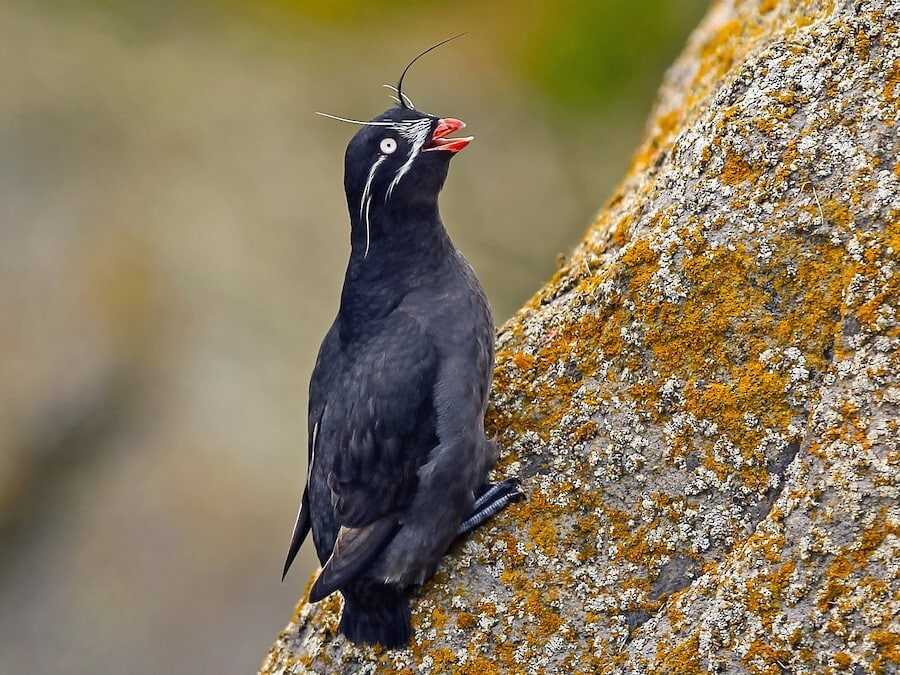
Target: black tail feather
[[301, 529], [375, 613]]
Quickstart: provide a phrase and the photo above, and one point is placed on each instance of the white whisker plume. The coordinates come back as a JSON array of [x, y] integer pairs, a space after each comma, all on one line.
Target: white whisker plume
[[366, 200], [360, 122]]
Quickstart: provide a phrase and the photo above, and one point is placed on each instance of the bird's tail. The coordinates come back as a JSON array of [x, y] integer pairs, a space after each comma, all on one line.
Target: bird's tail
[[375, 613]]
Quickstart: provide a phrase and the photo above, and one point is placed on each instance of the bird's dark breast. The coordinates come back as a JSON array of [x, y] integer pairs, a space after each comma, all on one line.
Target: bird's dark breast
[[377, 427]]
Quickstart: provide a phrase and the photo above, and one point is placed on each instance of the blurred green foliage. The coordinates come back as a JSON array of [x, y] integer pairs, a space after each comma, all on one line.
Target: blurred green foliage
[[581, 55], [586, 53]]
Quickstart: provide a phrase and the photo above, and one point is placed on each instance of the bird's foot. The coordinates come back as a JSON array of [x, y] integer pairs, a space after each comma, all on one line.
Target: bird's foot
[[490, 500]]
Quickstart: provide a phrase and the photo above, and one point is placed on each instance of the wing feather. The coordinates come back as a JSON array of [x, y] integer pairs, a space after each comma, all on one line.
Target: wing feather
[[353, 549]]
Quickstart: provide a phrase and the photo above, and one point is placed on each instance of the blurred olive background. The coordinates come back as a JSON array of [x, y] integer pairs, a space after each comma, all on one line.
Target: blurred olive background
[[172, 239]]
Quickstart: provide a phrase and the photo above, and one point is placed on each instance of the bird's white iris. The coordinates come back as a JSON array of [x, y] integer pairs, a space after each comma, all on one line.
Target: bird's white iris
[[388, 145]]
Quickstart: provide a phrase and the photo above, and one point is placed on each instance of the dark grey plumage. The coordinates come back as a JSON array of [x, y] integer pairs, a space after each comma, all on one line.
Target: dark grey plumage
[[397, 451]]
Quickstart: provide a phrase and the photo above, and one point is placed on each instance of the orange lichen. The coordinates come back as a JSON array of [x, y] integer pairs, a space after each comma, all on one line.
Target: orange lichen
[[620, 233], [524, 361], [861, 45], [764, 658], [481, 665], [892, 84], [842, 661], [465, 620], [736, 170], [842, 575], [444, 659], [440, 618], [764, 592], [682, 658], [887, 643], [718, 54]]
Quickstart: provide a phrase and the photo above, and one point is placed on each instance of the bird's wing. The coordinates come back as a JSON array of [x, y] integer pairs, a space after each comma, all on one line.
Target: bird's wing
[[352, 551], [387, 423], [382, 424], [318, 386]]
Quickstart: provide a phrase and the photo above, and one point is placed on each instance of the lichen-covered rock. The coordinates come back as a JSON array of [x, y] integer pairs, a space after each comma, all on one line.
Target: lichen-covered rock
[[705, 400]]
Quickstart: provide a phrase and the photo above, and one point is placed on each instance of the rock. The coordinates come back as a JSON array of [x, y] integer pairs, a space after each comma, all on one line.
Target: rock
[[704, 400]]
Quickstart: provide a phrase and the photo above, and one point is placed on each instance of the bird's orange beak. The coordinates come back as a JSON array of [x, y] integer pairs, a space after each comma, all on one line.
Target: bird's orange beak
[[444, 128]]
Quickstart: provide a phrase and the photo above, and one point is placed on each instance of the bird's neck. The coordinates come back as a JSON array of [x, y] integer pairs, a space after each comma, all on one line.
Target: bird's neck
[[400, 252]]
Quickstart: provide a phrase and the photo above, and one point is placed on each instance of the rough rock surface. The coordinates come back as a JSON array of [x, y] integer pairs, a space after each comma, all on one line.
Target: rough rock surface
[[704, 401]]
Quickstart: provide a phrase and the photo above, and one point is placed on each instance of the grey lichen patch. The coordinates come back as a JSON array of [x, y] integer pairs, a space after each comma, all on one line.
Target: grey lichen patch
[[704, 400]]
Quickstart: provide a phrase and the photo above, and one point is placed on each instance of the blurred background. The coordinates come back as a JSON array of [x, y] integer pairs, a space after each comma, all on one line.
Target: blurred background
[[172, 240]]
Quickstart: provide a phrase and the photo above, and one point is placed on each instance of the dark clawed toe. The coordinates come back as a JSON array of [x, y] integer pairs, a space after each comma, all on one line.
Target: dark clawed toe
[[490, 492], [492, 498]]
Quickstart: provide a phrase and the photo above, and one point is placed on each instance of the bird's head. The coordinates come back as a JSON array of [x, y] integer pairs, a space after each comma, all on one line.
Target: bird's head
[[399, 160], [396, 164]]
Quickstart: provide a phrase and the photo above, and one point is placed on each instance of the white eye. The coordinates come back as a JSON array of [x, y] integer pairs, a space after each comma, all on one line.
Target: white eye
[[388, 145]]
